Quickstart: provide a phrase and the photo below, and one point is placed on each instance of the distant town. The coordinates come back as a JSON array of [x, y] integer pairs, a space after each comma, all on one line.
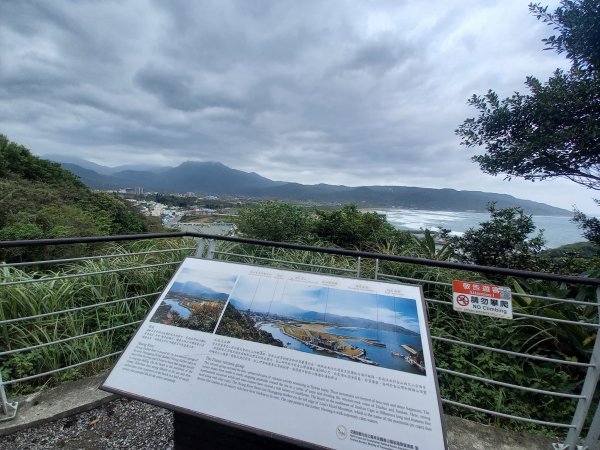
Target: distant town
[[188, 211]]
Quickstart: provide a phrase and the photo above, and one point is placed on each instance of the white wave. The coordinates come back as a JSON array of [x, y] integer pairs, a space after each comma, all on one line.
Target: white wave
[[557, 230]]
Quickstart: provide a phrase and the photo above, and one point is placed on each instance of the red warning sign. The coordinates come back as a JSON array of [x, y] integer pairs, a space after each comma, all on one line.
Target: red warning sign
[[479, 298]]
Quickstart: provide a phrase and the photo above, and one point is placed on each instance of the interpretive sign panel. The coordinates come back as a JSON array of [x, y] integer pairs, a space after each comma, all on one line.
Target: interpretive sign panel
[[484, 299], [330, 361]]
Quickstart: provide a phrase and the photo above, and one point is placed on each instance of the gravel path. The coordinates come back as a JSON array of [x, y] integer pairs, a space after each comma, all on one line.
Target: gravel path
[[120, 424]]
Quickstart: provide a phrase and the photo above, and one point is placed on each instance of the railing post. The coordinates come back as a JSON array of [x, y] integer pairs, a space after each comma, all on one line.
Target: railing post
[[376, 268], [358, 268], [588, 390], [591, 441], [8, 410], [199, 248], [211, 249]]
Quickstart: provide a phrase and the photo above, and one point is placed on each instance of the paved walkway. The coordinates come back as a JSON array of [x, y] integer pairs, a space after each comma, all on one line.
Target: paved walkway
[[80, 416]]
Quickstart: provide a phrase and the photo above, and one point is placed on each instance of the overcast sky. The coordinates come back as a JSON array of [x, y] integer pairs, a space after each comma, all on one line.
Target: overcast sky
[[273, 296], [340, 92]]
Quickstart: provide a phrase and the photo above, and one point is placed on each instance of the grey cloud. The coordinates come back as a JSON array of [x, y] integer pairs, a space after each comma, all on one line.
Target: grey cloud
[[311, 91], [176, 91], [381, 55]]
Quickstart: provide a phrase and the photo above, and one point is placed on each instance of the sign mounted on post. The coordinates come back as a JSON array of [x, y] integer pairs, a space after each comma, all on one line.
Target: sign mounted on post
[[328, 361], [479, 298]]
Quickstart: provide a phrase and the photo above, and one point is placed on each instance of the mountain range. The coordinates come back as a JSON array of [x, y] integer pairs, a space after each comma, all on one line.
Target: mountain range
[[292, 312], [214, 178], [197, 290]]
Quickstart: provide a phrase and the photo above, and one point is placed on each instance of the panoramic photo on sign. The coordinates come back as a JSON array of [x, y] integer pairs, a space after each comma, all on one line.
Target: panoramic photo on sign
[[330, 361], [484, 299]]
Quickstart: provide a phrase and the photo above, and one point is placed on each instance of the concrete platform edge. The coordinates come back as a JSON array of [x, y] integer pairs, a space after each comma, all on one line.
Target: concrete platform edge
[[83, 395], [57, 403]]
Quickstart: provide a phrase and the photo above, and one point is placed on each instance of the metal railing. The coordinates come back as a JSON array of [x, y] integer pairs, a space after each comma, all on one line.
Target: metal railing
[[138, 275]]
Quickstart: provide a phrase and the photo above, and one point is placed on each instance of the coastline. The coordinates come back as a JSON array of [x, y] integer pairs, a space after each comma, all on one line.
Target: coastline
[[360, 357], [557, 230]]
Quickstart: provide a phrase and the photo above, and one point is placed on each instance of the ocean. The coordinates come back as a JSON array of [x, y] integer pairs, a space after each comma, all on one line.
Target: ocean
[[557, 230], [382, 356]]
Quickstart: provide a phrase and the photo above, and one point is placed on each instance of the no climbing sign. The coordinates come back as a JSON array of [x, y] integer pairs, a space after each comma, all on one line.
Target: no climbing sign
[[485, 299]]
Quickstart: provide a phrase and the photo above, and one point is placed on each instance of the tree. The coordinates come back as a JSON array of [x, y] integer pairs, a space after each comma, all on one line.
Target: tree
[[554, 130], [40, 199], [273, 221], [17, 161], [589, 225], [503, 241], [348, 227]]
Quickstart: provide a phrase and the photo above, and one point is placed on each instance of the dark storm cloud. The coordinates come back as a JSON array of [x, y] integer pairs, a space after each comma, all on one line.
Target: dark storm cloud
[[312, 91], [178, 92]]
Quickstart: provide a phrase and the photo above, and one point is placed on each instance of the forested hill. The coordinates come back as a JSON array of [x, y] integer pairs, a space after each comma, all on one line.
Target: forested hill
[[218, 179], [40, 199]]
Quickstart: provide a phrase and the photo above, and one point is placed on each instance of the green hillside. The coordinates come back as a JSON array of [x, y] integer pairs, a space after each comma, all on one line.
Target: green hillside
[[39, 199]]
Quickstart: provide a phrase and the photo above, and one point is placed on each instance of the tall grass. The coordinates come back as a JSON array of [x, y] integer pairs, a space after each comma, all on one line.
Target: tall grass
[[127, 291], [289, 259]]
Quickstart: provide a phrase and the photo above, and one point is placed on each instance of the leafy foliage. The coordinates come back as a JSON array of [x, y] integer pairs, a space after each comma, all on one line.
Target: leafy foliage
[[345, 227], [348, 227], [536, 336], [17, 161], [551, 133], [503, 241], [426, 247], [567, 341], [554, 130], [129, 290], [589, 225], [579, 31], [39, 199], [274, 221]]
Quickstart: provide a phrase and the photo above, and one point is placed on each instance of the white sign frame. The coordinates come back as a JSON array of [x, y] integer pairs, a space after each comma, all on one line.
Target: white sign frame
[[337, 395]]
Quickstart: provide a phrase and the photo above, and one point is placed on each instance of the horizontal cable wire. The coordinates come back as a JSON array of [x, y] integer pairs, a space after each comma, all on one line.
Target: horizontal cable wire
[[61, 341], [418, 280], [513, 293], [80, 308], [552, 319], [94, 239], [88, 258], [529, 316], [78, 275], [285, 262], [555, 299], [433, 300], [508, 352], [509, 416], [509, 385], [327, 250], [50, 372], [395, 280]]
